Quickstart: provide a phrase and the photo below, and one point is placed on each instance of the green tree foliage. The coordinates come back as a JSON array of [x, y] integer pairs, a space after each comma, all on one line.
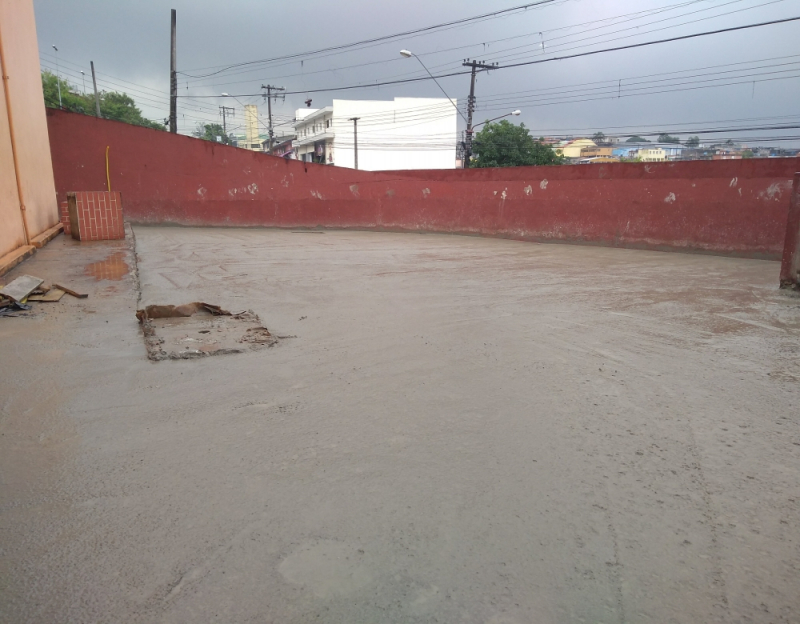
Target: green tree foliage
[[599, 138], [748, 154], [637, 139], [113, 105], [212, 132], [503, 144], [666, 138], [693, 141]]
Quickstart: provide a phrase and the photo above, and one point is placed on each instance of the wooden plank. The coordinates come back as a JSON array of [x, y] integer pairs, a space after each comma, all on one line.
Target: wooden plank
[[48, 235], [69, 291], [51, 295], [21, 287], [13, 258]]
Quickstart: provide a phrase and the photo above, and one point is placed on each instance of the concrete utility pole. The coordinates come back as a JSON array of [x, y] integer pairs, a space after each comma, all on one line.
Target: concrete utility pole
[[268, 96], [226, 110], [173, 77], [475, 65], [96, 97], [355, 136]]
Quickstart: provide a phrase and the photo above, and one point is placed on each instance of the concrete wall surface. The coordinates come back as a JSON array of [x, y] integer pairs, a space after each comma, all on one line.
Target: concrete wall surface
[[734, 207], [24, 86], [12, 233]]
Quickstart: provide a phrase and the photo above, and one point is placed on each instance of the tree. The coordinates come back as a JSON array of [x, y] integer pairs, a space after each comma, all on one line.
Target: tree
[[693, 141], [748, 154], [113, 105], [505, 145], [599, 138], [665, 138], [212, 132], [637, 139]]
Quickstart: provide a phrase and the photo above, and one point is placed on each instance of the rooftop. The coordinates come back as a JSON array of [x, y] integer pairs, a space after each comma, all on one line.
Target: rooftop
[[446, 421]]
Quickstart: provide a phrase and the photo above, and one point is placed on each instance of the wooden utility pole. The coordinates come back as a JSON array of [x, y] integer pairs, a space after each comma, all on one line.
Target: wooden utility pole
[[355, 136], [173, 77], [268, 96], [96, 97], [475, 65]]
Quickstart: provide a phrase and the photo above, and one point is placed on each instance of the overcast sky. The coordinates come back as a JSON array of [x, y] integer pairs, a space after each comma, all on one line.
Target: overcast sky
[[648, 89]]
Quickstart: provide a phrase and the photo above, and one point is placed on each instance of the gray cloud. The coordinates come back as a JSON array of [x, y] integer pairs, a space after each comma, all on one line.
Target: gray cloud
[[130, 42]]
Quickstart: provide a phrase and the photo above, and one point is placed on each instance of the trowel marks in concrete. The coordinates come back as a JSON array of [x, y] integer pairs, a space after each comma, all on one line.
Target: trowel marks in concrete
[[199, 329]]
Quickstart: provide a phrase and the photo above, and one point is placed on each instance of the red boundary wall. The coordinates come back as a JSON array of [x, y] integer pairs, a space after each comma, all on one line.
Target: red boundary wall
[[725, 207], [790, 266]]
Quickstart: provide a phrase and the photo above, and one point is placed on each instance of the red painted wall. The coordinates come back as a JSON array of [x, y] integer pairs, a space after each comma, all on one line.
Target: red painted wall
[[790, 265], [727, 207]]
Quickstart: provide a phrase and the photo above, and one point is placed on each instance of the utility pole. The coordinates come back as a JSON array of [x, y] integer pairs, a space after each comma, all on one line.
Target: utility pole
[[58, 77], [173, 77], [226, 110], [355, 136], [475, 65], [268, 96], [96, 97]]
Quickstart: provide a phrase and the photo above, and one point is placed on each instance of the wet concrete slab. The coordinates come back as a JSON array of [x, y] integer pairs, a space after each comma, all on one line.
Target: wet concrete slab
[[462, 430]]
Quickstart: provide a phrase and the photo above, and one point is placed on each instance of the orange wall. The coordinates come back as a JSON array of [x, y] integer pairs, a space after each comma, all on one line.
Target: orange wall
[[35, 168], [11, 233]]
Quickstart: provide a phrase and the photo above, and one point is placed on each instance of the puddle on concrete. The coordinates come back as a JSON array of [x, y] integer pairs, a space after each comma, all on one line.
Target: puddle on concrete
[[200, 329], [112, 268]]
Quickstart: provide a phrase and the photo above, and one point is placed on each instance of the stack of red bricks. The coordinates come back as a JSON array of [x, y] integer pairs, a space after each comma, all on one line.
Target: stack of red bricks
[[94, 215]]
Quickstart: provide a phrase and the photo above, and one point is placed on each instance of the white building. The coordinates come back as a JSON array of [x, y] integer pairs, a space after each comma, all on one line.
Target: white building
[[405, 133]]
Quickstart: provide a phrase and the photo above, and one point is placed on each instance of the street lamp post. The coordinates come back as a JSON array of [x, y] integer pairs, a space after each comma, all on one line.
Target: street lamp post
[[83, 77], [409, 54], [58, 77]]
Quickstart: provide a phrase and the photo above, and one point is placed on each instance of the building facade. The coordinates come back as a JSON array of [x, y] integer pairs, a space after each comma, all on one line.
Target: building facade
[[404, 133], [573, 147]]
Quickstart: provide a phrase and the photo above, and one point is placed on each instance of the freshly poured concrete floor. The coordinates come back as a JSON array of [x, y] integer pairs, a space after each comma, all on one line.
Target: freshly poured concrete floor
[[458, 430]]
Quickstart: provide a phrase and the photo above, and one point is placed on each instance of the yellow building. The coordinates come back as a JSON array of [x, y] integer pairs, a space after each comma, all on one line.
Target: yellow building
[[597, 152], [652, 154], [572, 149]]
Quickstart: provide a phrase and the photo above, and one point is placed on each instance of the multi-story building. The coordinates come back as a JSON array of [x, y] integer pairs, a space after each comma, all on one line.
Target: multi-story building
[[652, 154], [404, 133]]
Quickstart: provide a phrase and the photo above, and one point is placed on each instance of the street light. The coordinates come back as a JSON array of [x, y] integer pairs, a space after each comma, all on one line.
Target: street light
[[83, 77], [515, 113], [58, 77], [409, 54]]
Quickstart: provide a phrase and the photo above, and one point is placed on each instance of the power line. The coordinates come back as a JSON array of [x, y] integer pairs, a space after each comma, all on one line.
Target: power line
[[540, 61], [383, 38]]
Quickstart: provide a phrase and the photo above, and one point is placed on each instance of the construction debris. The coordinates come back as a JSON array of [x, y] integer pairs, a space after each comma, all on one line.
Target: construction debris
[[198, 329], [69, 291], [52, 294], [28, 288], [20, 288]]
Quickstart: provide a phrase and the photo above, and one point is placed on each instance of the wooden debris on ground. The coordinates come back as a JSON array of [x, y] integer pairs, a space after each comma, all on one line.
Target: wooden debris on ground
[[69, 291], [53, 294]]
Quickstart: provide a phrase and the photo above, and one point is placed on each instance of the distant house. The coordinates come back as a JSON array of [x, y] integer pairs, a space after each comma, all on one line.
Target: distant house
[[597, 154], [652, 154], [283, 148], [726, 156], [572, 148]]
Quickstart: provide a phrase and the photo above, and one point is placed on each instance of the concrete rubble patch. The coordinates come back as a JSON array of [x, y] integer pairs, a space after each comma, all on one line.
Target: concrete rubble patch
[[198, 329]]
